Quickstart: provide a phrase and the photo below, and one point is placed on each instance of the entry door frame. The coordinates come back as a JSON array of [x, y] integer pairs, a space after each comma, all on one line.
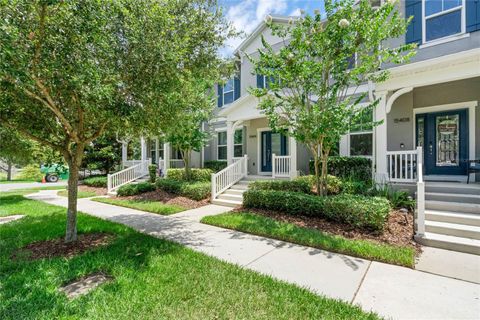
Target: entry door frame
[[260, 132], [470, 105]]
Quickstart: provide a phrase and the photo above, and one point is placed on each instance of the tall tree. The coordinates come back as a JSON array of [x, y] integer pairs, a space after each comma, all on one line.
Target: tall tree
[[69, 70], [14, 150], [322, 63]]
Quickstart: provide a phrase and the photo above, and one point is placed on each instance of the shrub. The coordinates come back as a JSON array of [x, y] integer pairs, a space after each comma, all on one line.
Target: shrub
[[356, 168], [197, 174], [354, 210], [134, 189], [197, 190], [333, 183], [350, 186], [152, 173], [215, 165], [30, 172], [297, 185], [97, 182]]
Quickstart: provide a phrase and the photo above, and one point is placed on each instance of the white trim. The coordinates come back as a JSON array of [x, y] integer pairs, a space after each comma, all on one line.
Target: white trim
[[221, 129], [220, 145], [462, 22], [445, 40], [470, 105]]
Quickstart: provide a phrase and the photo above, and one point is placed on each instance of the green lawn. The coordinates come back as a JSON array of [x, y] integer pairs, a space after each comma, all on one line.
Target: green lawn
[[268, 227], [154, 278], [81, 194], [150, 206]]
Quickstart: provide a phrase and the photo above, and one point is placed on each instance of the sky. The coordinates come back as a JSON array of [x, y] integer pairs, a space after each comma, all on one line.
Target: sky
[[247, 14]]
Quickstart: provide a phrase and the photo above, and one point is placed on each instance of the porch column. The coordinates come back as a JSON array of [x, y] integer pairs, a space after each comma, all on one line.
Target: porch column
[[143, 149], [230, 134], [124, 152], [293, 157], [380, 139], [166, 157], [157, 151]]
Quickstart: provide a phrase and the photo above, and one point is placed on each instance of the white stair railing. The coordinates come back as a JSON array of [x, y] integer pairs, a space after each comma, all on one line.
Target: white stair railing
[[402, 166], [420, 230], [281, 166], [118, 179], [227, 177]]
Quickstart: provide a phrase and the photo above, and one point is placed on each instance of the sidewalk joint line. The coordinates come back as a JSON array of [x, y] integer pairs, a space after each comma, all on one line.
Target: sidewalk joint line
[[261, 256], [361, 283]]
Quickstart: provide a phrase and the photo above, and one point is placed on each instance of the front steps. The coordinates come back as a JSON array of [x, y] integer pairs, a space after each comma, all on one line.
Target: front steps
[[233, 196], [452, 217]]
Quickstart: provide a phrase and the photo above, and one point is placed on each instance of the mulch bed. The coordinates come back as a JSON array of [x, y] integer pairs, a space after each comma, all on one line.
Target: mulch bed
[[168, 198], [398, 229], [98, 191], [58, 247]]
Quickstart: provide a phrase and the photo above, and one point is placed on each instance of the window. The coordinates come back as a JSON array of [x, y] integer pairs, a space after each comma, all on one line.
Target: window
[[442, 18], [238, 143], [222, 146], [153, 154], [229, 92], [361, 134]]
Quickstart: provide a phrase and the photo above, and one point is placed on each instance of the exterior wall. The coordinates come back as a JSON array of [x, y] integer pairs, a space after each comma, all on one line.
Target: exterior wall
[[210, 150], [252, 143]]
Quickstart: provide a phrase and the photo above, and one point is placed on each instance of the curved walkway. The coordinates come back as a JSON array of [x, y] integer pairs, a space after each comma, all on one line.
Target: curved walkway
[[392, 291]]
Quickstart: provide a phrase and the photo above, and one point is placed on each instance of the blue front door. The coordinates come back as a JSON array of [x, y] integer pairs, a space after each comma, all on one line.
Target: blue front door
[[271, 143], [444, 138]]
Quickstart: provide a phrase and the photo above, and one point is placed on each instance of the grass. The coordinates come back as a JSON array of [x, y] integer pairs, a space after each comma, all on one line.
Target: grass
[[154, 278], [271, 228], [144, 205], [80, 194]]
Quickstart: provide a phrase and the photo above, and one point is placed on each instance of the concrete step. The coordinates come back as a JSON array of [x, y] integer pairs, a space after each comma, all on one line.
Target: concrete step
[[452, 206], [450, 243], [245, 182], [455, 188], [453, 197], [227, 203], [112, 193], [234, 197], [256, 177], [470, 219], [453, 229], [234, 191], [239, 186]]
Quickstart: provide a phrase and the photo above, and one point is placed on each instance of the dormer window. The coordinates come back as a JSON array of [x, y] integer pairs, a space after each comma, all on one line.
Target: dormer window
[[442, 18]]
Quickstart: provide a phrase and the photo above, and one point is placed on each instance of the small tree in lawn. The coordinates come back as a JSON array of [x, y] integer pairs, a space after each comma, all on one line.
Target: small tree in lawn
[[14, 150], [321, 60], [70, 70]]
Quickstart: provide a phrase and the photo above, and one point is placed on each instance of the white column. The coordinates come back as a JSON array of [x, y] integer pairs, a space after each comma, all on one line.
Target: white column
[[124, 152], [166, 156], [157, 151], [380, 150], [143, 149], [293, 157], [230, 135]]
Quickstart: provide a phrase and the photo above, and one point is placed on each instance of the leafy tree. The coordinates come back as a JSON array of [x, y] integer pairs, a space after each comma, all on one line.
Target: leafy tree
[[14, 150], [102, 154], [70, 70], [322, 59]]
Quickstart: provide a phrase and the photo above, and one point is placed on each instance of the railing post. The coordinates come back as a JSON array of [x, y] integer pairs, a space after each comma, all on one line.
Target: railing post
[[273, 165], [420, 195], [214, 186], [109, 182], [245, 160]]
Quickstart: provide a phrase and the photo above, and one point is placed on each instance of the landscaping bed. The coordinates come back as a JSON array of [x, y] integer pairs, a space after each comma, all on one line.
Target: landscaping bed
[[167, 198]]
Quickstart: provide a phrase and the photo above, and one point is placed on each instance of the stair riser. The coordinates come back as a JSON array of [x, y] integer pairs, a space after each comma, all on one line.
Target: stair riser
[[449, 245], [226, 204], [459, 190], [451, 198], [230, 197], [457, 220], [239, 187], [234, 192], [452, 207], [453, 232]]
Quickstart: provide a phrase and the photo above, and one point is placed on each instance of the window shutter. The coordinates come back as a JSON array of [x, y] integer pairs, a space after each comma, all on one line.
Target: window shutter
[[260, 83], [472, 11], [220, 96], [236, 88], [414, 30]]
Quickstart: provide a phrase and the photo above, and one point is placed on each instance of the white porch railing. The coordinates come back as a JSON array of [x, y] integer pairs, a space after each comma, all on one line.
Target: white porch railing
[[281, 166], [420, 230], [227, 177], [402, 166], [127, 175], [130, 163]]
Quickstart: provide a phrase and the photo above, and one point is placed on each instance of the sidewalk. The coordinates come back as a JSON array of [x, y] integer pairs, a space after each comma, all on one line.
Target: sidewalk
[[392, 291], [26, 185]]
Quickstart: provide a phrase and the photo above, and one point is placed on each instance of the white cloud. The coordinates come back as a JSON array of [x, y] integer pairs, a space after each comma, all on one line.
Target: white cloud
[[295, 13]]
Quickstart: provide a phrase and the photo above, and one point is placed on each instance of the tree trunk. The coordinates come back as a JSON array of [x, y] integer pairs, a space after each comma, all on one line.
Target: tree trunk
[[71, 229], [317, 175], [324, 179], [186, 161], [9, 171]]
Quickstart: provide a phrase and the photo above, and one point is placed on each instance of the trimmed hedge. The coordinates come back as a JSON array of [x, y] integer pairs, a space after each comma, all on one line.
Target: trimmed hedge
[[334, 185], [194, 190], [134, 189], [357, 168], [355, 210], [97, 182], [197, 174], [152, 173], [297, 185], [215, 165]]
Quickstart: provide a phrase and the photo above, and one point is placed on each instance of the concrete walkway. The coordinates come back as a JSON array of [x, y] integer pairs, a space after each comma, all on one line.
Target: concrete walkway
[[392, 291], [27, 185]]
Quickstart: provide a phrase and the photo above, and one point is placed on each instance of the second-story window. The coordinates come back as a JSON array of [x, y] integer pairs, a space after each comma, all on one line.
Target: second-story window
[[228, 92], [442, 18]]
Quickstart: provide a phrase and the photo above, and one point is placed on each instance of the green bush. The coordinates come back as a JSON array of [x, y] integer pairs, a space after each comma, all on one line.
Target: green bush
[[350, 186], [355, 168], [333, 183], [197, 174], [215, 165], [355, 210], [297, 185], [97, 182], [30, 172], [194, 190], [152, 173], [134, 189]]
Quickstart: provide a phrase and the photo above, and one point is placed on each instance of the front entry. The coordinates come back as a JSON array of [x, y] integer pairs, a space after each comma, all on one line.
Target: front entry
[[271, 143], [444, 139]]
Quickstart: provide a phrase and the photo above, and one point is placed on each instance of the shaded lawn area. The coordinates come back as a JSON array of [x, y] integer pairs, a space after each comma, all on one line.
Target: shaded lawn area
[[154, 279], [80, 194], [144, 205], [271, 228]]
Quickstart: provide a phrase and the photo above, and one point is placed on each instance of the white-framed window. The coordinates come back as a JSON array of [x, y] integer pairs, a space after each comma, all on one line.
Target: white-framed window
[[222, 144], [229, 92], [360, 138], [442, 19]]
